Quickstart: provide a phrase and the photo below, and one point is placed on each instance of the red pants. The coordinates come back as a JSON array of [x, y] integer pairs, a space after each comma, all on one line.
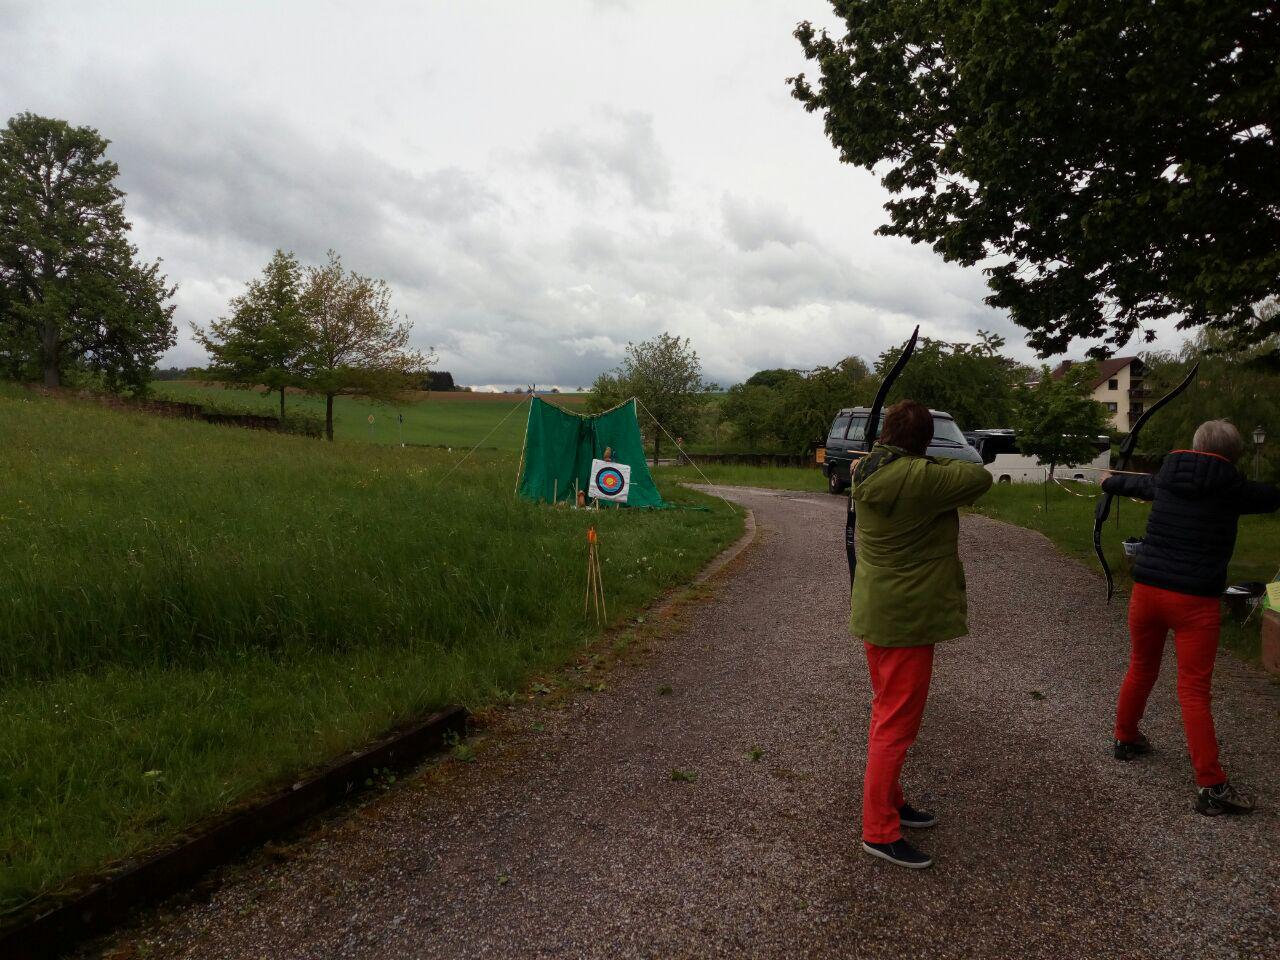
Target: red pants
[[1194, 621], [899, 686]]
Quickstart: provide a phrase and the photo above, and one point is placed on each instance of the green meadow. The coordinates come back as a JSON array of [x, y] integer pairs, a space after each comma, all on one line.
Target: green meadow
[[494, 421], [192, 614]]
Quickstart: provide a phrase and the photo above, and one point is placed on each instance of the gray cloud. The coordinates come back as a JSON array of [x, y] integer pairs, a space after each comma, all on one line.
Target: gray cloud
[[527, 248], [623, 150]]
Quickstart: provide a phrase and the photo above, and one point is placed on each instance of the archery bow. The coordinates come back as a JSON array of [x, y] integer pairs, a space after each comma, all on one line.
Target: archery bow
[[1122, 461], [869, 434]]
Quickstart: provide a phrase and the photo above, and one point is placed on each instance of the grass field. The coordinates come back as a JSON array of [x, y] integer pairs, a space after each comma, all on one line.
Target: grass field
[[193, 613], [434, 419]]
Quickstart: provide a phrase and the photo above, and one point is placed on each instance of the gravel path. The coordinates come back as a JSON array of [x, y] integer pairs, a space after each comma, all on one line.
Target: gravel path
[[569, 836]]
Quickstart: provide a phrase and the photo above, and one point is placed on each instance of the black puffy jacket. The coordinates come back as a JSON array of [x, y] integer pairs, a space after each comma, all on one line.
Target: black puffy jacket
[[1191, 532]]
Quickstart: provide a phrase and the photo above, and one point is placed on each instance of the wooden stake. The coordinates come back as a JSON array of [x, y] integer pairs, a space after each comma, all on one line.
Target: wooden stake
[[600, 585], [595, 587]]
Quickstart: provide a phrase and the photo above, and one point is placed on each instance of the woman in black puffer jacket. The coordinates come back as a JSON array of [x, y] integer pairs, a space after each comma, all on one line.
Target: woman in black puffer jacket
[[1179, 576]]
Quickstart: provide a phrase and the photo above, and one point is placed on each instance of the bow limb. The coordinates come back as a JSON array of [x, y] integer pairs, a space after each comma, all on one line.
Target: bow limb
[[1123, 455], [870, 433]]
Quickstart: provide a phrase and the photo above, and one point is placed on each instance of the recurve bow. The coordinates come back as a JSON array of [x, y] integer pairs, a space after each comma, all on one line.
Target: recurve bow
[[869, 434], [1122, 461]]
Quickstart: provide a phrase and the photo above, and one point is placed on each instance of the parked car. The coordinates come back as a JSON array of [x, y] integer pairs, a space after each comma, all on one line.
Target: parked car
[[999, 451], [846, 438]]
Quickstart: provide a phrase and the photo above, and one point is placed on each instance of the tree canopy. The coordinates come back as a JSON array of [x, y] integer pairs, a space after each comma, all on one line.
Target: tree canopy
[[971, 381], [1117, 161], [263, 340], [1057, 421], [665, 374], [73, 297], [355, 342]]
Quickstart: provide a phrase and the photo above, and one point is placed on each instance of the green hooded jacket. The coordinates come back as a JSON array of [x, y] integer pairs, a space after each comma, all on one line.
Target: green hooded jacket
[[909, 587]]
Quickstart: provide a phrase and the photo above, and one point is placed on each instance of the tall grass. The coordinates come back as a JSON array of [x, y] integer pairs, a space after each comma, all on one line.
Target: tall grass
[[191, 613]]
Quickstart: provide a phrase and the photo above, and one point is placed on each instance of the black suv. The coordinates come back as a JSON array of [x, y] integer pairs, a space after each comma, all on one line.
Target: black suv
[[846, 438]]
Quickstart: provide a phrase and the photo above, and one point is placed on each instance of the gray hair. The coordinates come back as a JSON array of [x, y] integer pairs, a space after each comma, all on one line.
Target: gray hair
[[1220, 437]]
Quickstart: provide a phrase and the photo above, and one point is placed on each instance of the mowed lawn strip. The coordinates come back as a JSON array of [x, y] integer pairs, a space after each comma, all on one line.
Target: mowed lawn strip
[[195, 613], [807, 479], [454, 419]]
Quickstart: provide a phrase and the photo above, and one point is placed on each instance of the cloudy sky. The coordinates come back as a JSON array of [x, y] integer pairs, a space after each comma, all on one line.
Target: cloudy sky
[[539, 182]]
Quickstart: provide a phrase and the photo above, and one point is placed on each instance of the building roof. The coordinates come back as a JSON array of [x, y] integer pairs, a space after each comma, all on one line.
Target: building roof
[[1106, 368]]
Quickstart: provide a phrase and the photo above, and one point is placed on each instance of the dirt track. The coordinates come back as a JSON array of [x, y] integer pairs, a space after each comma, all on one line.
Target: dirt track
[[573, 839]]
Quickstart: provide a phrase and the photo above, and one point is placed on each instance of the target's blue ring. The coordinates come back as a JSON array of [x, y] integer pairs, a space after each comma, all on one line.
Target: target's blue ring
[[610, 481]]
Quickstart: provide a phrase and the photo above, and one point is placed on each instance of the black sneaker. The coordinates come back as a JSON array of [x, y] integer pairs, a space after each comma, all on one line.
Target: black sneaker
[[1224, 798], [915, 819], [1136, 748], [899, 852]]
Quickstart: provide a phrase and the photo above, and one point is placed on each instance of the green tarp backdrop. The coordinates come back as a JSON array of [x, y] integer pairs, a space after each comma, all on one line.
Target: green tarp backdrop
[[559, 447]]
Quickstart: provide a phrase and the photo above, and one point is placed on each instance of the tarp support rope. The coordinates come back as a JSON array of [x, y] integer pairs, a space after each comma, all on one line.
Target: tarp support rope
[[682, 452], [524, 443], [482, 440]]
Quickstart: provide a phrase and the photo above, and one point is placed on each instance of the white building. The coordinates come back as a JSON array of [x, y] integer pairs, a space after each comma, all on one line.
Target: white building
[[1119, 387]]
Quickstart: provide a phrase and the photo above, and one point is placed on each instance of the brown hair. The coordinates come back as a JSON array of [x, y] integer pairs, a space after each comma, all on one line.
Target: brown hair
[[908, 425]]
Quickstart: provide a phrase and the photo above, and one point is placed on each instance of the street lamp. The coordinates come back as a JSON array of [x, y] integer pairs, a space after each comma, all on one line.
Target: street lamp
[[1259, 438]]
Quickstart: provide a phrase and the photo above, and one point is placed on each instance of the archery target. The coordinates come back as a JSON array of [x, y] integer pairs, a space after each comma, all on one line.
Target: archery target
[[609, 481]]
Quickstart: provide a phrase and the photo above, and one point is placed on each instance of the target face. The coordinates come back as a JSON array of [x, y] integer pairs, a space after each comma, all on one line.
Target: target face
[[610, 481]]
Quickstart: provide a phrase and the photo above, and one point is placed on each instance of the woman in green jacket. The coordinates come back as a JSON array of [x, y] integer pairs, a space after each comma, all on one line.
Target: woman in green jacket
[[908, 594]]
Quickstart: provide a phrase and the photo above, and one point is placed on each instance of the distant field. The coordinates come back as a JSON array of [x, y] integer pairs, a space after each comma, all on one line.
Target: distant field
[[193, 613], [455, 419]]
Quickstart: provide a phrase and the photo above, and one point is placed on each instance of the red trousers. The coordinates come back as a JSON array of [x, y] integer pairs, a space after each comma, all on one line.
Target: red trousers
[[899, 687], [1195, 622]]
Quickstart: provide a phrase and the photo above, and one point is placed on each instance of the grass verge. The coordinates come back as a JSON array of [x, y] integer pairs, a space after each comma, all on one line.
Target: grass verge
[[739, 475], [195, 613]]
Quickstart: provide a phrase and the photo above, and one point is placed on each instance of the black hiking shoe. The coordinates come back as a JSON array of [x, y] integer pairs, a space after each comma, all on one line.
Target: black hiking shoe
[[899, 852], [915, 819], [1224, 798], [1136, 748]]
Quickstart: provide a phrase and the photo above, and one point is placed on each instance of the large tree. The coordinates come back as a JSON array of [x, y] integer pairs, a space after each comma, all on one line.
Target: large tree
[[971, 381], [356, 343], [807, 404], [750, 409], [1117, 160], [665, 374], [73, 295], [263, 340], [1057, 421]]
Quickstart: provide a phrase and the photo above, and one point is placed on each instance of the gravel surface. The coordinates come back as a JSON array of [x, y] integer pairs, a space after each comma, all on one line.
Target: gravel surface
[[571, 837]]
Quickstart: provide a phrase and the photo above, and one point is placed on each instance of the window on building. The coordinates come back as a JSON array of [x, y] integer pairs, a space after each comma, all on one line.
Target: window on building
[[1112, 408], [1113, 384]]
